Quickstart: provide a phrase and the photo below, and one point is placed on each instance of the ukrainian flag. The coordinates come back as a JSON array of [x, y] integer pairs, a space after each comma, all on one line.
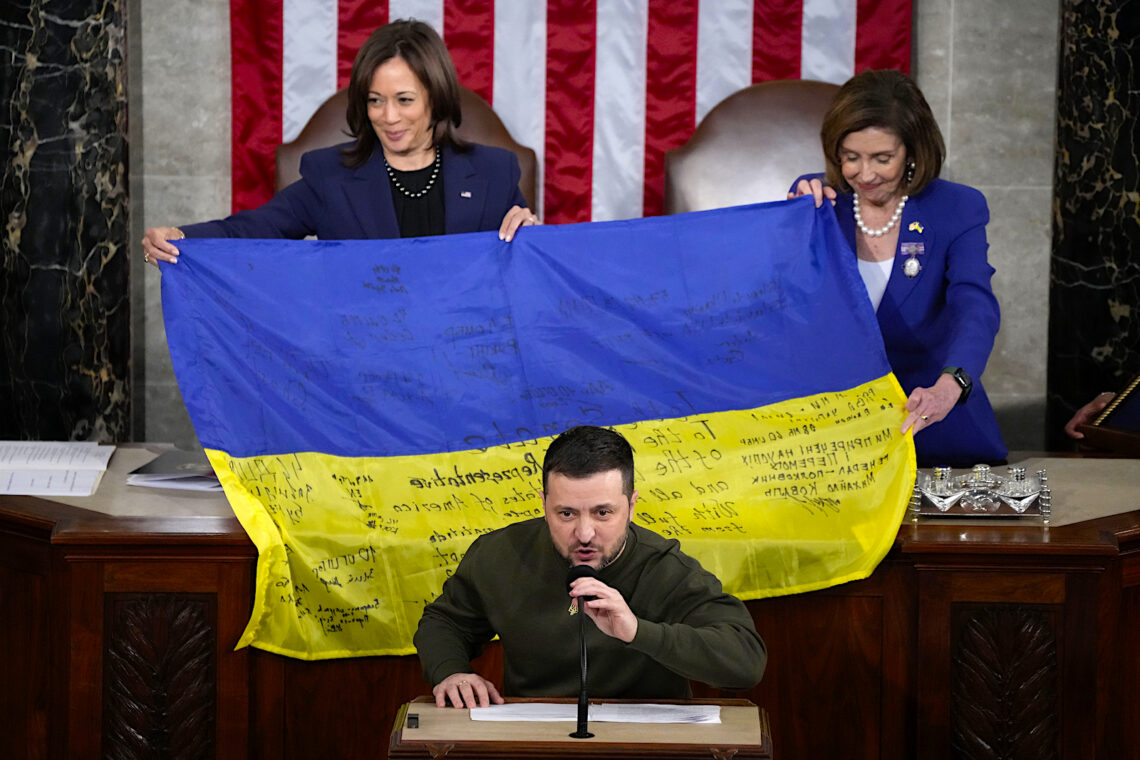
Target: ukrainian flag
[[373, 406]]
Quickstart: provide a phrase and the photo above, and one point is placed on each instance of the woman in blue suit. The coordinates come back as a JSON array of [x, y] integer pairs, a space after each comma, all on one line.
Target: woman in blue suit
[[921, 248], [406, 174]]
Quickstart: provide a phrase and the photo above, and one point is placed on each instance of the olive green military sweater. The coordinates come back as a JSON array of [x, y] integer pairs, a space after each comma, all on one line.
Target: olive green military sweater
[[512, 582]]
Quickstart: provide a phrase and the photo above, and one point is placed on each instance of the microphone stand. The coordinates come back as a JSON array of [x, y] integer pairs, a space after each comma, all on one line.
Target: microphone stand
[[583, 702]]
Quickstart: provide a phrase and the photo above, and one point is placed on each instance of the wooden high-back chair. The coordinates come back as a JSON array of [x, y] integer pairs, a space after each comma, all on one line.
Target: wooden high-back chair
[[750, 147], [328, 127]]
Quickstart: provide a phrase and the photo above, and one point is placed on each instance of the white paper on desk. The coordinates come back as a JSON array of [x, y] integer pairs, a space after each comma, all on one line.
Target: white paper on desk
[[49, 482], [562, 712], [179, 482], [54, 455]]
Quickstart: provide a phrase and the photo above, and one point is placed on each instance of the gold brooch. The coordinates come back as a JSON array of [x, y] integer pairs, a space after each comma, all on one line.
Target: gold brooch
[[915, 226]]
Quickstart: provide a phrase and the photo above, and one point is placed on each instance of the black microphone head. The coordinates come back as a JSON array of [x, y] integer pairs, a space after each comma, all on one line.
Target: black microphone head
[[579, 571]]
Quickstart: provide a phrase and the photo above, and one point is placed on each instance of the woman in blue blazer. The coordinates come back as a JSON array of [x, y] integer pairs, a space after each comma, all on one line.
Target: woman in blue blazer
[[921, 247], [406, 174]]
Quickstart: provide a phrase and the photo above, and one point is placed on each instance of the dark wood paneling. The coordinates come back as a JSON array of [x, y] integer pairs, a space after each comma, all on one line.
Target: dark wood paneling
[[935, 655], [345, 708], [321, 698], [25, 646], [1129, 693], [160, 676], [1051, 626], [1128, 636], [833, 642], [85, 668], [1004, 682], [844, 652]]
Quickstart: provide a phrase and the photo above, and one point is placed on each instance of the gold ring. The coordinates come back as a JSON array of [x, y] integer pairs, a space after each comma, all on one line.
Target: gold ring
[[146, 257], [925, 418]]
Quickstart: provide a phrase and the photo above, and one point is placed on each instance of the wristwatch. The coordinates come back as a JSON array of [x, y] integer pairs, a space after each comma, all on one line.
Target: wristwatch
[[962, 377]]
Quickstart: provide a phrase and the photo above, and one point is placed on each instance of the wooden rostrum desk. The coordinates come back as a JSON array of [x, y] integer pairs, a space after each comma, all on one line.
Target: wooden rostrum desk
[[119, 613], [444, 732]]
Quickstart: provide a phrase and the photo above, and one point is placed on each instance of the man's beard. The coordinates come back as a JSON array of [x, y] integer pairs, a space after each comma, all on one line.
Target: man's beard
[[607, 559]]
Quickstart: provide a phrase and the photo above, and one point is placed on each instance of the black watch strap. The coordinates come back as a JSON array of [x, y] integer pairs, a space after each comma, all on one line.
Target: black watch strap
[[962, 377]]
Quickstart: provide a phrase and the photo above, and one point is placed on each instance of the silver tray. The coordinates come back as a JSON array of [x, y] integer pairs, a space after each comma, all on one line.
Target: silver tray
[[981, 493]]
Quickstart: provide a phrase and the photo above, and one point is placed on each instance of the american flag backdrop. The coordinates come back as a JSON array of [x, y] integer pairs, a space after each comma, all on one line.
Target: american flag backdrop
[[600, 89]]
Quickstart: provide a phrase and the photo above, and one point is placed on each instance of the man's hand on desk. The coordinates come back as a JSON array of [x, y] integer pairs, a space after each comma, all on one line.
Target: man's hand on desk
[[466, 690]]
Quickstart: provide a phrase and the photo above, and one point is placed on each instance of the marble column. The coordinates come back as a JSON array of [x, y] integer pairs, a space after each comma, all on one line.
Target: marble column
[[65, 337], [1094, 305]]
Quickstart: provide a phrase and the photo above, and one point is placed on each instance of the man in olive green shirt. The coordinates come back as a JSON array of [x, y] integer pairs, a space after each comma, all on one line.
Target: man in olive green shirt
[[659, 618]]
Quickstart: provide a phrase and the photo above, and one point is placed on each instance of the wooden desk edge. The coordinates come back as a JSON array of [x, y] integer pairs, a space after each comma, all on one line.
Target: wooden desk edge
[[761, 751]]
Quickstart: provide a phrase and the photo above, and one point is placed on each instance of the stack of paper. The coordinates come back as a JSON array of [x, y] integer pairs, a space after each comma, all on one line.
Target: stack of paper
[[612, 712], [186, 470], [52, 468]]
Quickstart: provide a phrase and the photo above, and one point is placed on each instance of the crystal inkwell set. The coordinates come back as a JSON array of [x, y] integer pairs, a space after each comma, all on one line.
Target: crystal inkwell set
[[981, 493]]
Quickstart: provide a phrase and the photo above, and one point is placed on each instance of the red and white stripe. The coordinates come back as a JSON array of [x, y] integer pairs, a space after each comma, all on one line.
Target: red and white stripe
[[600, 89]]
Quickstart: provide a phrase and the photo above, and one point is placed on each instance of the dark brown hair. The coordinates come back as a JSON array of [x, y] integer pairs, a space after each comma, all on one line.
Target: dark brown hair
[[422, 49], [889, 100], [587, 450]]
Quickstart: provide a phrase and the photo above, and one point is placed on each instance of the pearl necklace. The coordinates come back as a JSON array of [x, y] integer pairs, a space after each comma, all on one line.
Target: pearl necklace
[[883, 230], [405, 191]]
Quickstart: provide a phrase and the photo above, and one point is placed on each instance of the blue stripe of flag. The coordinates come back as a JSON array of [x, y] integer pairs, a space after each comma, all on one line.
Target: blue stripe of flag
[[401, 347]]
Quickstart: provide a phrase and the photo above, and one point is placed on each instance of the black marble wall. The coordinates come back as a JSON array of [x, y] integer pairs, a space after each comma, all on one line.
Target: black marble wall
[[1094, 308], [65, 337]]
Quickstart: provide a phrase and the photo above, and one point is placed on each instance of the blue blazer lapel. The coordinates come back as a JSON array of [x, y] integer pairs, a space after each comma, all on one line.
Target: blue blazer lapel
[[899, 286], [369, 195], [465, 193]]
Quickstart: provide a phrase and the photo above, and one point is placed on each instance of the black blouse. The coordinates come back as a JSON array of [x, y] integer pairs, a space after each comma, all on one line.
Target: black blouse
[[422, 216]]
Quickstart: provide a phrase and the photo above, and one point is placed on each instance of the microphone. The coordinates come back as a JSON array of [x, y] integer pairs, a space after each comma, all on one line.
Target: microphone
[[576, 572], [580, 571]]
